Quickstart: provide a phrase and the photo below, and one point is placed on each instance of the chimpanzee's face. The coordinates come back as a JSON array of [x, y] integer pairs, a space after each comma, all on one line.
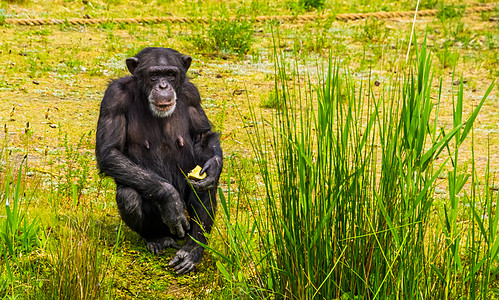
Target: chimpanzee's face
[[159, 84], [160, 74]]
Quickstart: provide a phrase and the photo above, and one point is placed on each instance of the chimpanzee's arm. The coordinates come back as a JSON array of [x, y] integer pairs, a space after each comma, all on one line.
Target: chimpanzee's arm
[[110, 142], [207, 149]]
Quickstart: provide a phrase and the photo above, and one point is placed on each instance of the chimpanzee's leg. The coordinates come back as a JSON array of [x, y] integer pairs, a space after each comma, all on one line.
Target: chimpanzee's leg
[[143, 217], [202, 213]]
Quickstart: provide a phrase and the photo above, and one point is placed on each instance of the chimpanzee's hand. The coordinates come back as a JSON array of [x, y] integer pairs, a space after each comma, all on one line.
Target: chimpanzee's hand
[[186, 259], [173, 211], [213, 168]]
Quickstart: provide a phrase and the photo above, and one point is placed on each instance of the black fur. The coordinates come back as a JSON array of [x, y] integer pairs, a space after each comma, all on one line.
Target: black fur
[[148, 155]]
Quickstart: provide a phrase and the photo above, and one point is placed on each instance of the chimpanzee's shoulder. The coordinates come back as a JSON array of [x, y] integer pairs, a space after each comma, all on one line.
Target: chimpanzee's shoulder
[[119, 93], [123, 84], [191, 94], [121, 87]]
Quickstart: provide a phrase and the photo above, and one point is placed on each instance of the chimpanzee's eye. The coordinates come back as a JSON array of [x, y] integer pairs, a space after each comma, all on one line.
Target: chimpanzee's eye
[[154, 76], [171, 77]]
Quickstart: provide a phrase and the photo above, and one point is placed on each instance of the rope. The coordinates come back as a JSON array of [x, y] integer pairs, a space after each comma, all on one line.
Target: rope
[[284, 18]]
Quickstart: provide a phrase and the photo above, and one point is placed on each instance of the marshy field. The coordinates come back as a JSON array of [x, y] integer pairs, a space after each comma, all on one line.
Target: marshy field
[[360, 156]]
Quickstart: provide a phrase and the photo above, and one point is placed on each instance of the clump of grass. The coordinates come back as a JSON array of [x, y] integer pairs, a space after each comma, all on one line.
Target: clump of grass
[[450, 11], [309, 4], [77, 268], [314, 37], [450, 17], [374, 30], [447, 57], [349, 194], [63, 260], [74, 176], [269, 101], [45, 263], [225, 35], [18, 235], [3, 16]]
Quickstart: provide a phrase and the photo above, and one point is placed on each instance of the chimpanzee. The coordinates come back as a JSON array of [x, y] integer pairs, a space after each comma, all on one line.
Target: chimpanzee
[[151, 132]]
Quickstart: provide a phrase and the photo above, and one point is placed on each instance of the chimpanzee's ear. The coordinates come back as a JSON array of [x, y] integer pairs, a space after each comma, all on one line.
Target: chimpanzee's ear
[[132, 64], [186, 60]]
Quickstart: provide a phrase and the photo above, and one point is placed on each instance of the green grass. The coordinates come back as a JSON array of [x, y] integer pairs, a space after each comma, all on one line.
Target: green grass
[[19, 235], [346, 175], [224, 35], [349, 194]]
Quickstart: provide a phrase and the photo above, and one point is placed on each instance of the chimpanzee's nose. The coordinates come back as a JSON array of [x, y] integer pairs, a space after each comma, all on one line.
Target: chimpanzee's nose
[[163, 85]]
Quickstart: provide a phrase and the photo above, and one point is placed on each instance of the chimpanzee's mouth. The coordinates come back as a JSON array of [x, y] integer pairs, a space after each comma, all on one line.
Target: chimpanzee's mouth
[[164, 107], [163, 110]]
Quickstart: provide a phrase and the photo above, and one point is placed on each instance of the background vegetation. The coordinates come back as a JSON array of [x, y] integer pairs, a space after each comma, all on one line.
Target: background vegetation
[[352, 171]]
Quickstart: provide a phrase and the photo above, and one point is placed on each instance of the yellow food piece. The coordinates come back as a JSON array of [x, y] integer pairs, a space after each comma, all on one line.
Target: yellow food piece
[[194, 174]]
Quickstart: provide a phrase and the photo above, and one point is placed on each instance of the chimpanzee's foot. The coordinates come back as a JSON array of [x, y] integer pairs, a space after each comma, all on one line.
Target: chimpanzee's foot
[[157, 245], [186, 259]]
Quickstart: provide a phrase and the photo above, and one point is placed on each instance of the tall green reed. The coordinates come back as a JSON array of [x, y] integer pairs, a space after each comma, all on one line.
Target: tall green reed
[[478, 239], [18, 235], [349, 176]]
